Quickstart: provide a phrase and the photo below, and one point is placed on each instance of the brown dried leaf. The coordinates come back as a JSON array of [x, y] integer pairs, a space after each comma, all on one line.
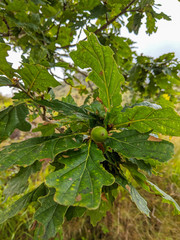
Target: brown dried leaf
[[154, 139]]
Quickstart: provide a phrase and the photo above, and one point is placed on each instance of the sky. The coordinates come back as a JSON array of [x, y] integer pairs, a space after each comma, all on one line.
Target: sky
[[166, 39]]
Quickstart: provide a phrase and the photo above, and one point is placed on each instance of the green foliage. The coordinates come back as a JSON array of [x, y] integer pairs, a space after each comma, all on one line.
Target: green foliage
[[23, 202], [50, 214], [35, 78], [28, 151], [79, 183], [105, 72], [166, 197], [5, 68], [133, 144], [142, 118], [155, 78], [82, 176], [13, 117], [19, 183]]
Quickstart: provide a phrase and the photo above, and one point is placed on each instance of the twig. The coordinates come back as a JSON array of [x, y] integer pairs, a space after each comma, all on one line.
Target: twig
[[7, 25], [18, 85], [74, 68], [105, 25], [54, 75], [77, 70], [90, 86], [57, 35], [43, 115], [114, 18], [155, 216]]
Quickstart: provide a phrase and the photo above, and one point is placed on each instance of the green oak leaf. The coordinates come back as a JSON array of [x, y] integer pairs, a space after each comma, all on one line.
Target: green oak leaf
[[5, 67], [105, 73], [67, 108], [28, 151], [166, 198], [135, 196], [19, 183], [150, 23], [5, 81], [73, 212], [142, 165], [133, 144], [97, 214], [50, 214], [46, 130], [144, 119], [13, 117], [79, 183], [23, 202], [37, 77], [134, 22], [139, 201], [138, 176]]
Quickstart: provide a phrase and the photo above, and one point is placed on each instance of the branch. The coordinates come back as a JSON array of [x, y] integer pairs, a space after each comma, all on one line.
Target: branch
[[8, 28], [106, 24], [77, 70], [57, 35], [74, 68], [18, 85], [114, 18]]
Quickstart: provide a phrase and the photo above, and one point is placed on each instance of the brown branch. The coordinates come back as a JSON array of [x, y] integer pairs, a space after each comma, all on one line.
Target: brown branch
[[114, 18], [7, 25], [90, 86], [57, 35], [43, 115], [106, 24], [19, 86], [54, 75], [77, 70], [74, 68]]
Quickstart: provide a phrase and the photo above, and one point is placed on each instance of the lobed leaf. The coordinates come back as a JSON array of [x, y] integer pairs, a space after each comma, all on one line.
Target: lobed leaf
[[133, 144], [19, 183], [37, 77], [67, 108], [28, 151], [50, 214], [22, 202], [79, 183], [135, 196], [134, 22], [13, 117], [5, 81], [105, 73], [144, 119], [5, 67], [139, 201]]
